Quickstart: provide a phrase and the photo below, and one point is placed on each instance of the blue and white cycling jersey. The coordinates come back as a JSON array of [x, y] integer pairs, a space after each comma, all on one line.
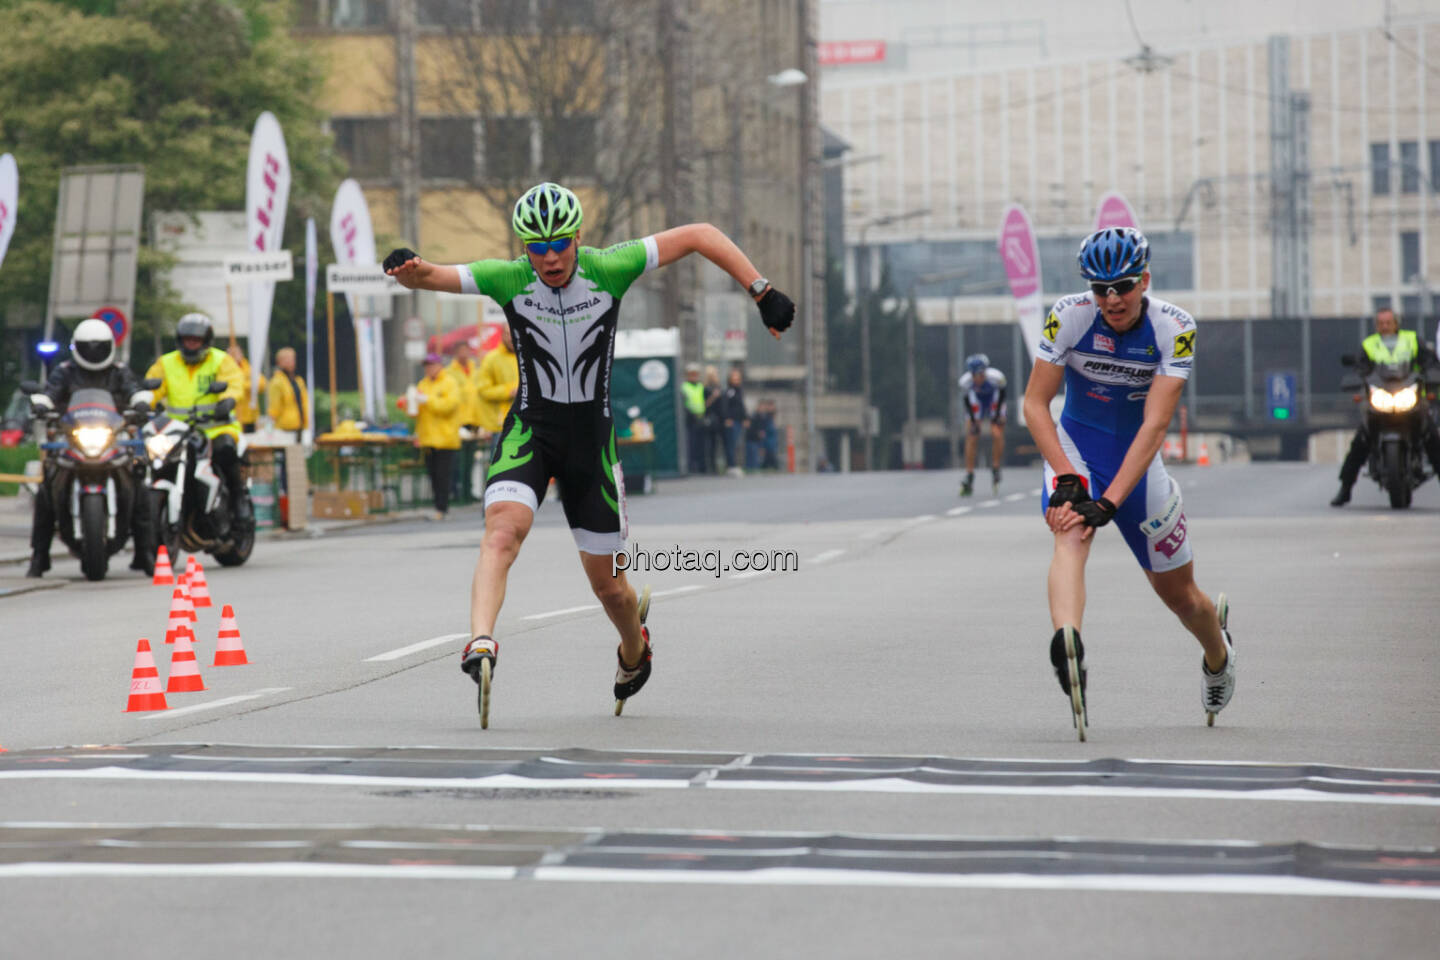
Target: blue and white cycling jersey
[[1107, 378], [986, 399], [1108, 374]]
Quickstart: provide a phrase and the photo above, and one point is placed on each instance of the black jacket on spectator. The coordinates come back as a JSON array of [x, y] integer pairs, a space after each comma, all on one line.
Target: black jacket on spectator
[[732, 405]]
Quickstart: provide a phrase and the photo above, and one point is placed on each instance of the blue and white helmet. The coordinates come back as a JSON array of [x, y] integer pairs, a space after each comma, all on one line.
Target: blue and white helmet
[[977, 362], [1114, 253]]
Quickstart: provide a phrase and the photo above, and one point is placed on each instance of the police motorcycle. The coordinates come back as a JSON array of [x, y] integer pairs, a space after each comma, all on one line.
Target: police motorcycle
[[1396, 414], [91, 475], [192, 502]]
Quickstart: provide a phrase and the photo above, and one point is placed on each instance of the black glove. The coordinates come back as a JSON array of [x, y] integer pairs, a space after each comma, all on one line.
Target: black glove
[[396, 258], [777, 311], [1069, 488], [1097, 513]]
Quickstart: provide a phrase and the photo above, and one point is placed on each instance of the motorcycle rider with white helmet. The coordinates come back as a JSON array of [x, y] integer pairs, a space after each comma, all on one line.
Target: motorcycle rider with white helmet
[[92, 366]]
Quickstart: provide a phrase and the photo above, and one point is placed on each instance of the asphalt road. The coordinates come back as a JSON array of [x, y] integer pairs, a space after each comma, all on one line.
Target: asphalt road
[[865, 756]]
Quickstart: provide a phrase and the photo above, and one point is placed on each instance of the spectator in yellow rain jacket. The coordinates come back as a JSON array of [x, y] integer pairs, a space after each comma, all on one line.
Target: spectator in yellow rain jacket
[[466, 373], [247, 411], [436, 409], [498, 381], [185, 373], [285, 399]]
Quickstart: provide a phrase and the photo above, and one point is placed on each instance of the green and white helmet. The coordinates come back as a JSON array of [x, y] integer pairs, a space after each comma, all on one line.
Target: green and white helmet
[[546, 210]]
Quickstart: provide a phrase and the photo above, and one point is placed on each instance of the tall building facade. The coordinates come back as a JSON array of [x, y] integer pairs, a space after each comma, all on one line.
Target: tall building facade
[[1275, 177], [657, 112]]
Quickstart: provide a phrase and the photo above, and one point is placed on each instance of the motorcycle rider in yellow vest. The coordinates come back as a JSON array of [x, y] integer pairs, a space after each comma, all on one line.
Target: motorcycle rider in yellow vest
[[1388, 346], [186, 373]]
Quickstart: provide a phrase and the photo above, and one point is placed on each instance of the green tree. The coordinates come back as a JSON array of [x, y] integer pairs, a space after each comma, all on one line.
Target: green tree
[[175, 85]]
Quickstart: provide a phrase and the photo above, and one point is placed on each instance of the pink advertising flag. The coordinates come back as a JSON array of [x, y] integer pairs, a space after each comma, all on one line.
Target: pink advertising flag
[[1114, 210], [353, 238], [1021, 257], [267, 192]]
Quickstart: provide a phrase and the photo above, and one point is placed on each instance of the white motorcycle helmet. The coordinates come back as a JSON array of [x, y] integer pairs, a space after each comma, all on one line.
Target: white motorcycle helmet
[[93, 344]]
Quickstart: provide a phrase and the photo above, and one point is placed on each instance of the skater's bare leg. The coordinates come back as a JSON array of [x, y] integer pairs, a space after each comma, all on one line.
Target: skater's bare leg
[[971, 437], [616, 596], [1186, 600], [1067, 576], [506, 526], [997, 445]]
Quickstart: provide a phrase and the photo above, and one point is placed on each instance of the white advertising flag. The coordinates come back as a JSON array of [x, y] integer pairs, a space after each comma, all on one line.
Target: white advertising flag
[[9, 201], [312, 264], [267, 193], [353, 238]]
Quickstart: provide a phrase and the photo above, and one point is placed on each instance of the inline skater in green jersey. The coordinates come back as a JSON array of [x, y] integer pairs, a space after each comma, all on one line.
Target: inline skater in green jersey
[[562, 301]]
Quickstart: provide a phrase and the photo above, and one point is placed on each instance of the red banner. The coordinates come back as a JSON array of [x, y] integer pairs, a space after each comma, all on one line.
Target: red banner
[[852, 51]]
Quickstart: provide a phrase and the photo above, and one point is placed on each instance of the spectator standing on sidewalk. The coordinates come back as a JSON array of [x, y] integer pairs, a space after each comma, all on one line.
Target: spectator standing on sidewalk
[[247, 408], [692, 392], [467, 376], [285, 402], [714, 428], [734, 418], [435, 405]]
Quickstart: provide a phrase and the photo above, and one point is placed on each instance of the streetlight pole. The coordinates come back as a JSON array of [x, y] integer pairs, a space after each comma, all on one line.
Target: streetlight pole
[[862, 283]]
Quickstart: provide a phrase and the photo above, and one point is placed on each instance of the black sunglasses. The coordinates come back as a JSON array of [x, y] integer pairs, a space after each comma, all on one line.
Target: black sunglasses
[[1114, 287]]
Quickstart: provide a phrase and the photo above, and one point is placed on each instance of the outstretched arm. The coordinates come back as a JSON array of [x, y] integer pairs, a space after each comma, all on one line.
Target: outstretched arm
[[414, 273], [710, 242]]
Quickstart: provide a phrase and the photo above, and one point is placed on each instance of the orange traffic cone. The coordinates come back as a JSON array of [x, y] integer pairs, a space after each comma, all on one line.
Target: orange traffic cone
[[184, 669], [1204, 460], [179, 601], [229, 651], [199, 589], [145, 692], [164, 575]]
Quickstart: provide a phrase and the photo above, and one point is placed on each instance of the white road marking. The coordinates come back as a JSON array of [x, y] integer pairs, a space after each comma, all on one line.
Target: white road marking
[[1035, 492], [676, 590], [770, 876], [417, 647], [748, 574], [989, 503], [222, 702], [561, 613], [958, 511], [1011, 498], [826, 556], [877, 785]]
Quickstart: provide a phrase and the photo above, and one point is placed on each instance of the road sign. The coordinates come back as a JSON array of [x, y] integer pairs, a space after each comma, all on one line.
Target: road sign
[[1280, 392], [244, 267], [365, 279], [117, 320]]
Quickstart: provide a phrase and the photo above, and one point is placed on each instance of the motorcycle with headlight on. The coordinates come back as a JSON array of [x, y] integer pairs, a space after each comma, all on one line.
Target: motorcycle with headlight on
[[1396, 414], [191, 499], [90, 474]]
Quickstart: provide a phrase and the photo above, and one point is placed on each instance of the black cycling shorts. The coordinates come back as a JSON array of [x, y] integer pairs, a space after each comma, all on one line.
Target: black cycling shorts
[[575, 445]]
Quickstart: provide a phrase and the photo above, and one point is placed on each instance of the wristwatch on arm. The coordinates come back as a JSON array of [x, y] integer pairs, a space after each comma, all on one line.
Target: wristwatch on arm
[[758, 287]]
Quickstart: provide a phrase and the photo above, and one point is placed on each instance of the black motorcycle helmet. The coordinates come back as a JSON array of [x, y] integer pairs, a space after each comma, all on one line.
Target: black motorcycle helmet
[[194, 325]]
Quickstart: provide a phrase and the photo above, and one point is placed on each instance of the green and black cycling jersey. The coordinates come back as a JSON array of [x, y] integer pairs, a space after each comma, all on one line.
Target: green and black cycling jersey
[[564, 336]]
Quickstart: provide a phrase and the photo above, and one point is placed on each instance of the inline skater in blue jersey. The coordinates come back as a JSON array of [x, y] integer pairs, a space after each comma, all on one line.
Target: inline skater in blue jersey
[[562, 304], [1124, 358], [982, 391]]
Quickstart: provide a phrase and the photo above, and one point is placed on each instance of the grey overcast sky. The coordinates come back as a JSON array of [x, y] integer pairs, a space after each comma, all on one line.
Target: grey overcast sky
[[1080, 29]]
